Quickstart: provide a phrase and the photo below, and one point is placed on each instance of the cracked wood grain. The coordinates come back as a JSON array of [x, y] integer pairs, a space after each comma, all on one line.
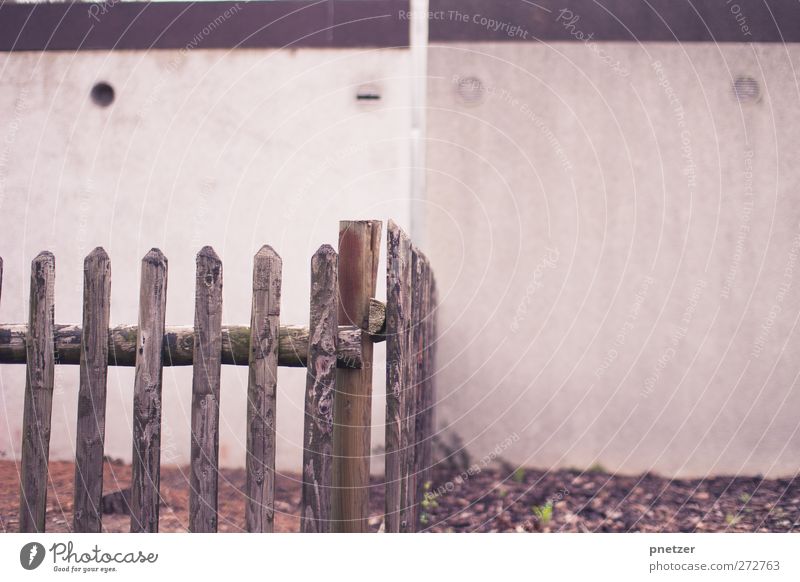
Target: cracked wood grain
[[38, 395], [320, 389], [146, 461], [397, 332], [261, 391], [90, 432], [206, 370]]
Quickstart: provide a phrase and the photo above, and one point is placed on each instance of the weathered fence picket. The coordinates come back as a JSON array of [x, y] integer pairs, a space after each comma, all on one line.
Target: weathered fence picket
[[336, 348], [38, 395], [90, 433], [359, 249], [408, 513], [409, 383], [425, 395], [398, 314], [407, 486], [261, 391], [207, 367], [146, 460], [320, 389]]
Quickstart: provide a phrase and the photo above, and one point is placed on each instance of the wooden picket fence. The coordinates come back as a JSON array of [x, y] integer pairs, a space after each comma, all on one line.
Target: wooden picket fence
[[336, 349]]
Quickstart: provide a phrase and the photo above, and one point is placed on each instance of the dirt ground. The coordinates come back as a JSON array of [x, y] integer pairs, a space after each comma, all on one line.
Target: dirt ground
[[486, 501]]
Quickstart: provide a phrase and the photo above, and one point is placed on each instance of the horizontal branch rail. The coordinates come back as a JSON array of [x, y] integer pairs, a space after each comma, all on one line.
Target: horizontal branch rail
[[179, 345]]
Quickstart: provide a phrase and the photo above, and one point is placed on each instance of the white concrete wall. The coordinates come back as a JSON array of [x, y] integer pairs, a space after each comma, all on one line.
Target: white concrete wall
[[608, 269], [229, 148], [617, 247]]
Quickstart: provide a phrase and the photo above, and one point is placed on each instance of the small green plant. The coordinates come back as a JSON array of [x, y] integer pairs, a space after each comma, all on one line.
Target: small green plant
[[544, 513], [597, 468], [423, 518], [745, 498], [519, 475], [429, 503], [777, 513], [731, 519], [503, 493]]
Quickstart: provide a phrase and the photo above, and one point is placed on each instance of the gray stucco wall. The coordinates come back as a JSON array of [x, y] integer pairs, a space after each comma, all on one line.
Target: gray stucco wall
[[616, 239], [229, 148], [616, 244]]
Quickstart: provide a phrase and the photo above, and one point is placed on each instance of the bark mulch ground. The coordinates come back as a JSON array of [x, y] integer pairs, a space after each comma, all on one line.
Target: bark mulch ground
[[487, 501], [576, 501]]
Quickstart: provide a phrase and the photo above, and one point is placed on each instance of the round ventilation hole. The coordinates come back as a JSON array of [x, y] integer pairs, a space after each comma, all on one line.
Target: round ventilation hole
[[746, 89], [470, 90], [102, 94]]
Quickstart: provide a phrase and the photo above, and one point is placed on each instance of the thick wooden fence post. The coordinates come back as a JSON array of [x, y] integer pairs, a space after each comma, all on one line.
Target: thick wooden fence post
[[398, 305], [206, 372], [38, 395], [146, 463], [90, 439], [359, 247], [320, 389], [261, 391]]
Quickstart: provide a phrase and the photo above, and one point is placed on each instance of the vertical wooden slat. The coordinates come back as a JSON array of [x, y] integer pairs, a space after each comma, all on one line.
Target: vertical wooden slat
[[261, 391], [428, 386], [430, 381], [320, 389], [409, 411], [206, 369], [87, 510], [38, 395], [359, 247], [423, 371], [146, 462], [398, 304]]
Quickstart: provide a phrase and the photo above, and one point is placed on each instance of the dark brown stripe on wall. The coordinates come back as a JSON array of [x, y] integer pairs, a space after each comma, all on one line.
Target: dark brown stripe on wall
[[615, 20], [174, 25]]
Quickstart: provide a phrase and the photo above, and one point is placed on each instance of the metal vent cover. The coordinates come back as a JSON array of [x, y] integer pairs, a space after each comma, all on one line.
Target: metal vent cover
[[746, 89]]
